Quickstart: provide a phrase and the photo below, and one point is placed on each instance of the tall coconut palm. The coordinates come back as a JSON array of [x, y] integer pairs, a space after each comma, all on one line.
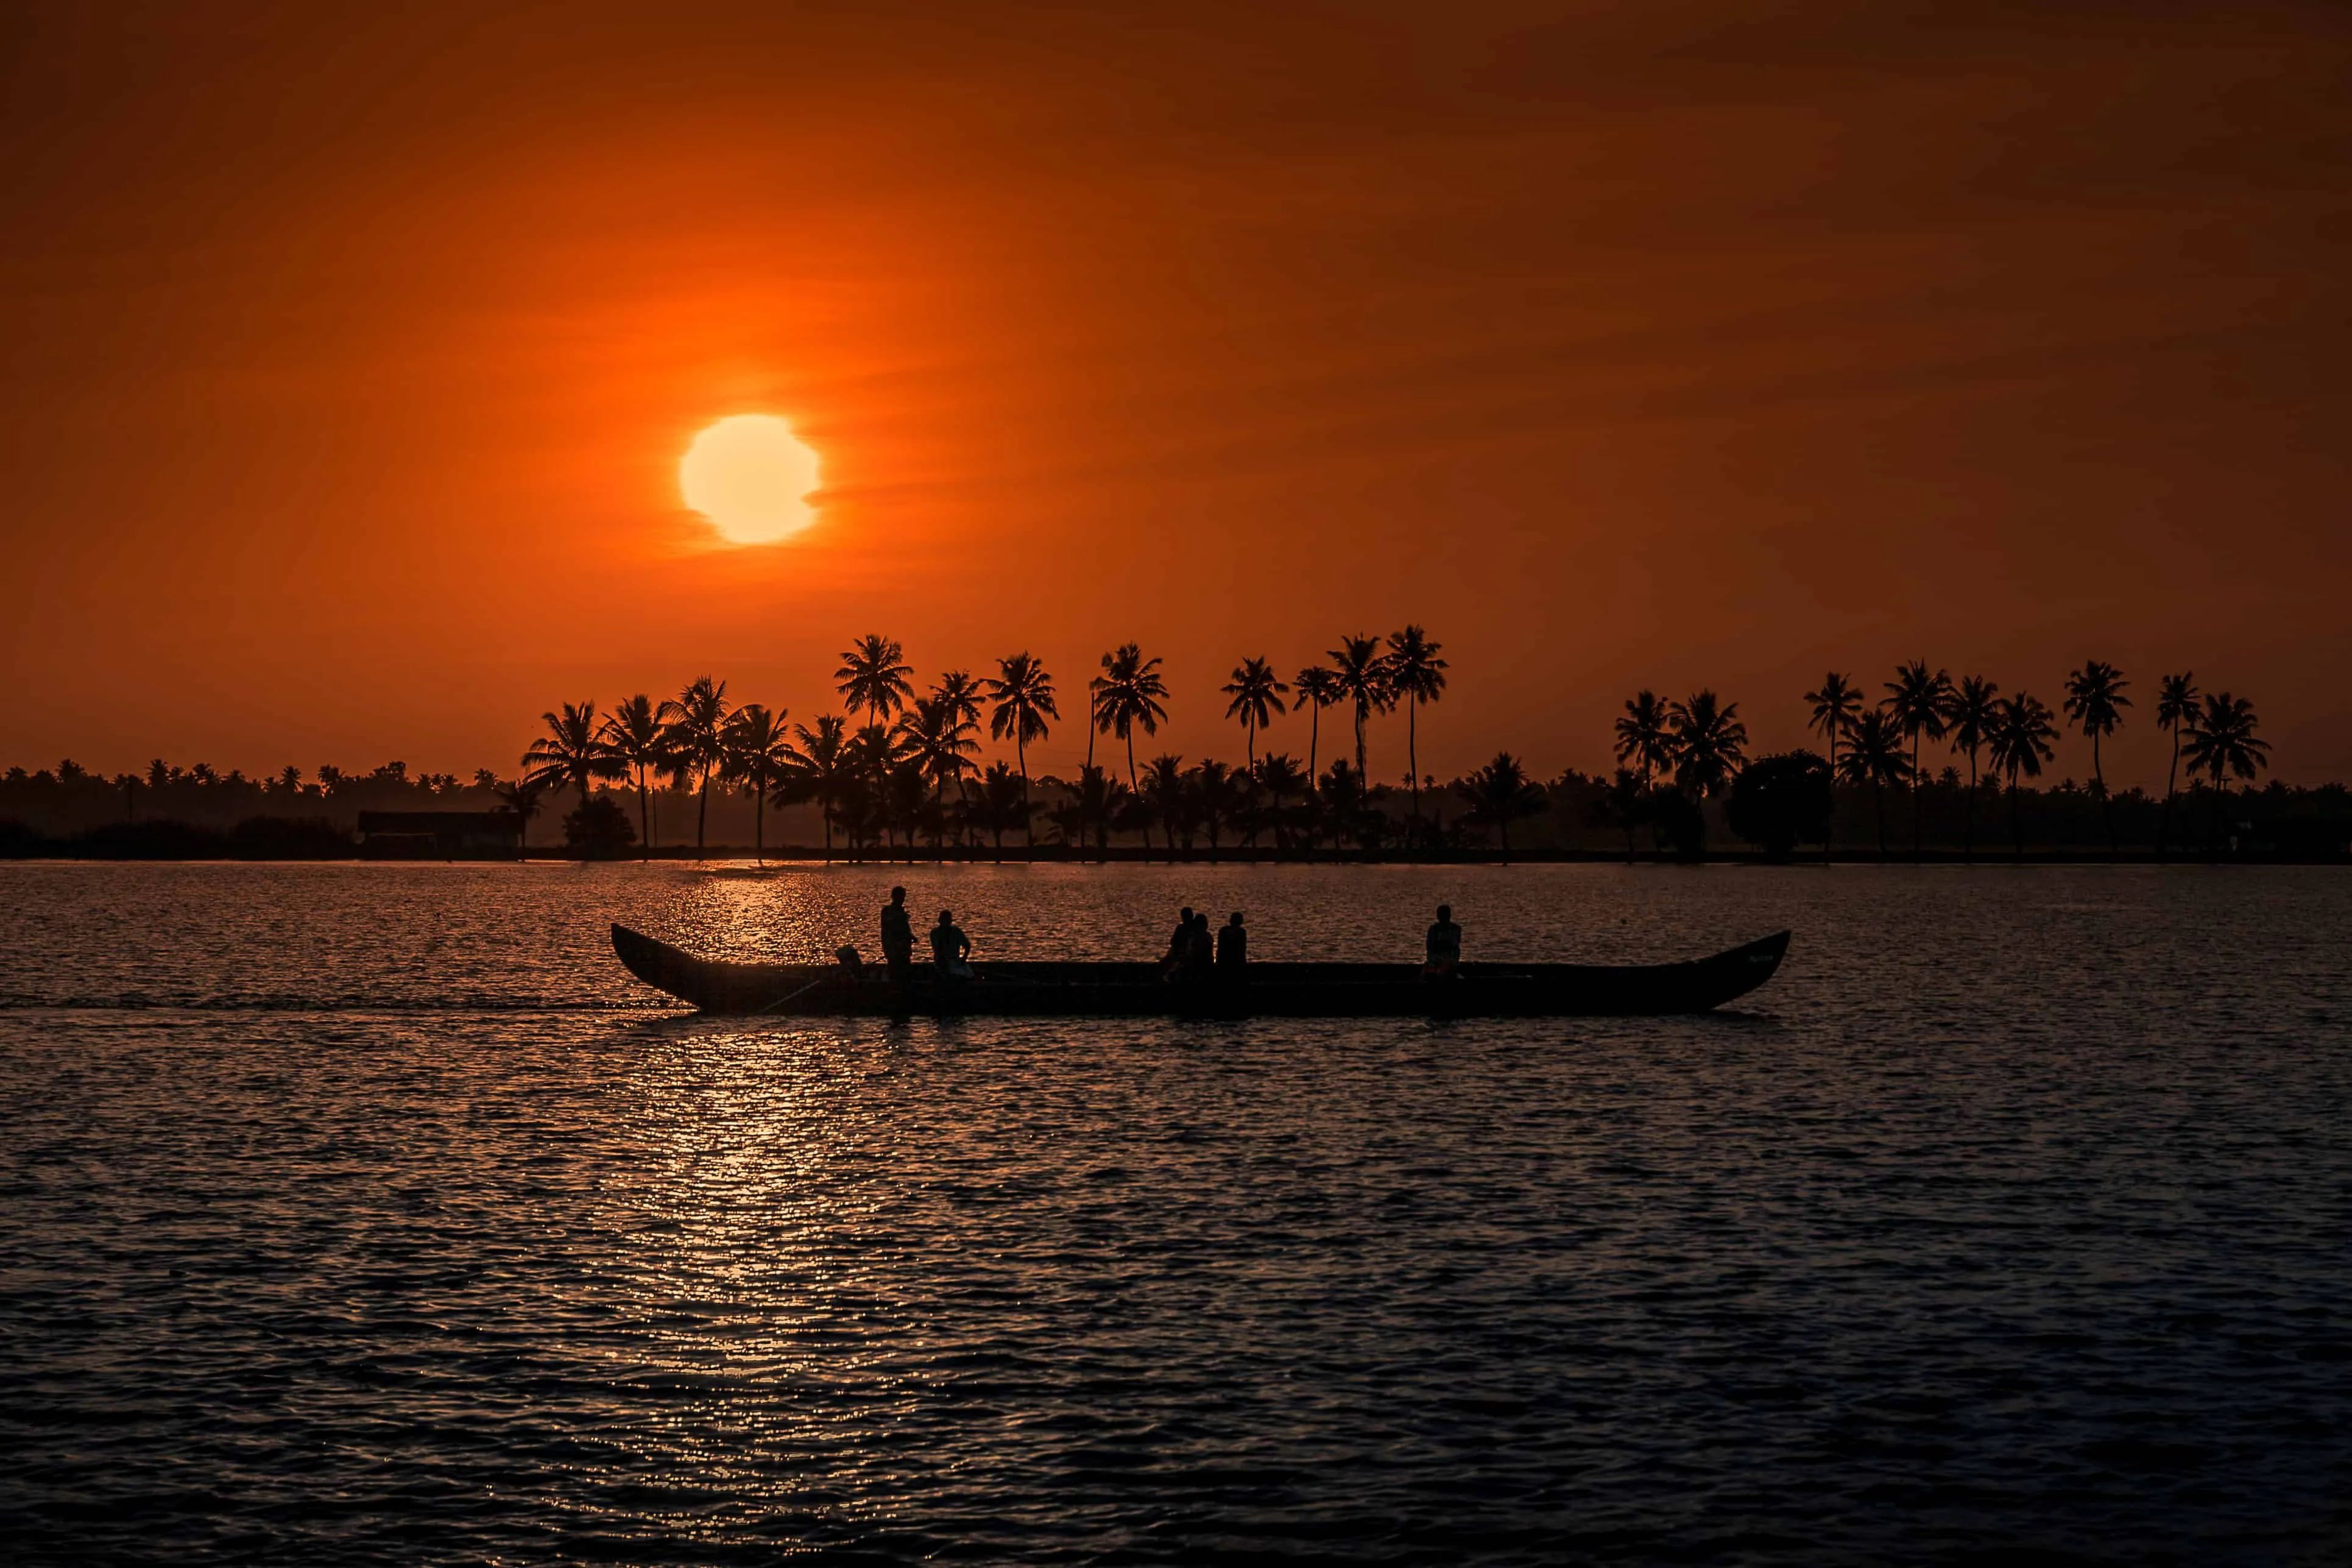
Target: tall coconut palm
[[1130, 697], [1257, 696], [573, 752], [1971, 715], [1415, 675], [756, 753], [2223, 744], [960, 694], [1022, 696], [1835, 702], [2095, 701], [1318, 688], [936, 737], [1363, 677], [1499, 794], [1919, 704], [823, 759], [1643, 740], [1708, 741], [637, 732], [2176, 709], [2018, 745], [874, 677], [1874, 756], [697, 744]]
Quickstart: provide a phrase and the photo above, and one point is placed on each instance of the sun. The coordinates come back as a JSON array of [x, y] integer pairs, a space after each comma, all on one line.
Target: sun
[[752, 476]]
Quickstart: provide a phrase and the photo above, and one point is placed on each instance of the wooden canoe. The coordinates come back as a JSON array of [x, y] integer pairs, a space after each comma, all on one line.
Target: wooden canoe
[[1027, 989]]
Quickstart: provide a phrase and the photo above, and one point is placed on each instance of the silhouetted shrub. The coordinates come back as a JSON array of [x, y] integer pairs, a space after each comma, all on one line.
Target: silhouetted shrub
[[18, 842], [601, 830], [288, 838], [1781, 801]]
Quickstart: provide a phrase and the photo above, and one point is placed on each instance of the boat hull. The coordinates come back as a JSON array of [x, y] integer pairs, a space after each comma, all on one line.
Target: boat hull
[[1017, 989]]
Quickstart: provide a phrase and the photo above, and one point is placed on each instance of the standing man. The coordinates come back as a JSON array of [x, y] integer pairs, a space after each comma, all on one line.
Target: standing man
[[897, 939], [1445, 946]]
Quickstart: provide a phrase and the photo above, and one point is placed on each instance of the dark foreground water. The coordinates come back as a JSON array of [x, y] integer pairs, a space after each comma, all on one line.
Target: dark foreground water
[[370, 1215]]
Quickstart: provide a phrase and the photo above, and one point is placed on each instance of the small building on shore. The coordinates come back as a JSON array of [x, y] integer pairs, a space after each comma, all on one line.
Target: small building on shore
[[440, 835]]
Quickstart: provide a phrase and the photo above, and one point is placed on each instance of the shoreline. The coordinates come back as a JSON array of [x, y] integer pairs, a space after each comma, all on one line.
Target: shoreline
[[780, 857]]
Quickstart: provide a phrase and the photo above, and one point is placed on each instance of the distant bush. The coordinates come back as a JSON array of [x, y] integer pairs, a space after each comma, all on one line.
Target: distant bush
[[601, 830], [1781, 801], [18, 842]]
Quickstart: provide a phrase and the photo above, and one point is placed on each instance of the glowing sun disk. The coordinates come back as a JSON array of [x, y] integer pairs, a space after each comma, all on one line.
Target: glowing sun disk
[[752, 476]]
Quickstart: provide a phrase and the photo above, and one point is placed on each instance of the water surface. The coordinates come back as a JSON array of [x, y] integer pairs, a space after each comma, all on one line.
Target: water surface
[[361, 1214]]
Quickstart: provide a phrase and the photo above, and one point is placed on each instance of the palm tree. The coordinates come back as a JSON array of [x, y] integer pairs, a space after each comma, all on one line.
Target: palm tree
[[1023, 695], [1279, 777], [572, 752], [1919, 704], [1095, 796], [1972, 714], [637, 733], [2095, 701], [2223, 744], [1131, 691], [1623, 805], [2019, 745], [521, 798], [1874, 756], [1163, 792], [696, 743], [755, 753], [1500, 794], [961, 695], [873, 677], [1256, 692], [1218, 793], [1318, 688], [1416, 675], [1835, 702], [826, 767], [936, 737], [1643, 738], [1004, 798], [1709, 743], [1363, 677], [2176, 709]]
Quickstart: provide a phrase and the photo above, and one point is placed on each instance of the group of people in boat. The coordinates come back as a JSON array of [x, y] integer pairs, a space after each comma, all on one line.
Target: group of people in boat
[[1194, 955]]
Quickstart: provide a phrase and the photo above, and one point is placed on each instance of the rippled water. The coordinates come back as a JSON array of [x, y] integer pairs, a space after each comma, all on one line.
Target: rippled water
[[372, 1214]]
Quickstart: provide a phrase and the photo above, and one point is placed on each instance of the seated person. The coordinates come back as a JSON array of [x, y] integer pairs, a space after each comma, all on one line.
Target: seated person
[[1180, 944], [950, 949], [1445, 946], [1232, 946]]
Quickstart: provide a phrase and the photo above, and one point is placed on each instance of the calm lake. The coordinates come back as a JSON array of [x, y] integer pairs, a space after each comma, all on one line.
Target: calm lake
[[366, 1214]]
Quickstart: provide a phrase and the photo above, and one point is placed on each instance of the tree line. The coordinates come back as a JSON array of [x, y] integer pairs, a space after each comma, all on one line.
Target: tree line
[[898, 766]]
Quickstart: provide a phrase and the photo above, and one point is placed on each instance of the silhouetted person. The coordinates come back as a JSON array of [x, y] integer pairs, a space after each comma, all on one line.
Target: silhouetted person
[[1180, 943], [1201, 950], [898, 938], [951, 948], [1445, 946], [1233, 947]]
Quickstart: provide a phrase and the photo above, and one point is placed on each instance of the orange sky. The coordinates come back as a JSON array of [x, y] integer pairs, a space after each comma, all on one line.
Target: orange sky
[[1620, 344]]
